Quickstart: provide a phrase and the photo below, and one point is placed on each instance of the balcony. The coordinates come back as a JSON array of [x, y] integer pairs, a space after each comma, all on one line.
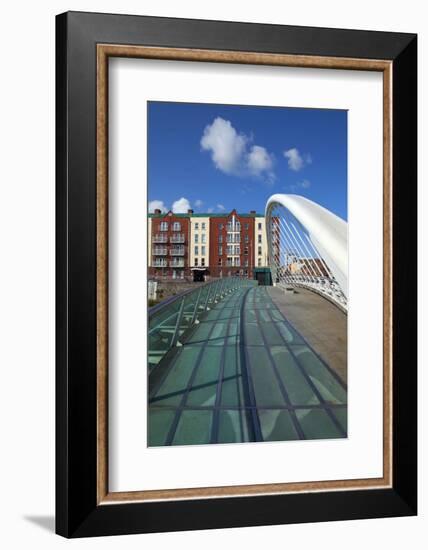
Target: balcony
[[177, 263], [160, 263], [233, 238], [160, 251], [160, 239], [177, 238], [176, 251]]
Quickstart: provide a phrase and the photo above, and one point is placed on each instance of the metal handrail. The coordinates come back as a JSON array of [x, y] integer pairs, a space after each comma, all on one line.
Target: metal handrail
[[170, 320]]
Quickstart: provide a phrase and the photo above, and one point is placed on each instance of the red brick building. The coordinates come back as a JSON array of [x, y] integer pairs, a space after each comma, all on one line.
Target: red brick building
[[169, 245], [219, 245], [232, 245]]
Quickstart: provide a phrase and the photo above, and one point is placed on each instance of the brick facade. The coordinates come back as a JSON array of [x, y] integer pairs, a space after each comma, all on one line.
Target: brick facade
[[224, 245], [170, 241], [232, 245]]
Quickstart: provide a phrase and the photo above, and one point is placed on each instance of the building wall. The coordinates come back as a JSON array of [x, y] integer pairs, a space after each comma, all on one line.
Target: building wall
[[149, 242], [261, 260], [163, 237], [199, 241], [206, 244], [240, 252]]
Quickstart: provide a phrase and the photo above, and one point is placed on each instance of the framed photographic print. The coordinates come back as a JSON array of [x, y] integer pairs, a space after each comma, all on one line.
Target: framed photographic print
[[236, 274]]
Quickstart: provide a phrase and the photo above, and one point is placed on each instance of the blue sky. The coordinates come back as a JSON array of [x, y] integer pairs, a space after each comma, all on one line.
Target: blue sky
[[214, 158]]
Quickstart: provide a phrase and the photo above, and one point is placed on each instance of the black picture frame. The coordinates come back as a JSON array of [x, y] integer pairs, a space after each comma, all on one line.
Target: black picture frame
[[77, 511]]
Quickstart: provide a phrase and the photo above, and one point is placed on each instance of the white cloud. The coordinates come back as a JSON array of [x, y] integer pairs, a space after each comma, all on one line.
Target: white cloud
[[221, 207], [295, 160], [260, 163], [156, 204], [181, 206], [305, 184], [210, 210], [199, 203], [233, 154], [226, 145]]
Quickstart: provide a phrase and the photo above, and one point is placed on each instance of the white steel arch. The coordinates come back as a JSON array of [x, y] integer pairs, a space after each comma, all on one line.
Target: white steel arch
[[307, 246]]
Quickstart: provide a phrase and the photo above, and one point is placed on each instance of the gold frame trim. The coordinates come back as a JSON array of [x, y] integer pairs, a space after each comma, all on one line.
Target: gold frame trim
[[104, 51]]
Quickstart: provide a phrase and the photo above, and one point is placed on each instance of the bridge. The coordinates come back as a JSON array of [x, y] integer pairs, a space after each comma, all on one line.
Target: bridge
[[308, 247], [230, 361]]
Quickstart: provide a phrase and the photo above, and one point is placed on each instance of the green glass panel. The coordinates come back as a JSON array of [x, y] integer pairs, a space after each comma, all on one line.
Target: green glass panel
[[288, 333], [266, 387], [201, 333], [232, 391], [327, 385], [272, 336], [316, 424], [204, 388], [253, 335], [194, 428], [233, 427], [296, 385], [160, 421], [342, 416], [277, 425], [174, 386]]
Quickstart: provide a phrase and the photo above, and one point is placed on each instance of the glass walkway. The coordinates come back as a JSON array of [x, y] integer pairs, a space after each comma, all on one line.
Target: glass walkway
[[241, 374]]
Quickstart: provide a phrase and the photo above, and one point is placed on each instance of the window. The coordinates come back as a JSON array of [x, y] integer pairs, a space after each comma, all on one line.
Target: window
[[220, 250], [237, 262], [176, 226], [259, 251], [196, 238], [259, 239], [220, 238], [196, 226], [247, 238], [202, 250], [246, 263], [260, 226], [196, 262], [246, 250], [203, 237], [237, 249], [246, 226], [229, 249], [196, 250], [237, 226], [203, 226], [220, 227], [164, 226], [259, 262], [203, 262], [220, 261]]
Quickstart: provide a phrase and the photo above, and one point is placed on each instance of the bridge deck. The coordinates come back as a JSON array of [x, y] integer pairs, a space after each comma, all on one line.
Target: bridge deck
[[323, 325], [244, 374]]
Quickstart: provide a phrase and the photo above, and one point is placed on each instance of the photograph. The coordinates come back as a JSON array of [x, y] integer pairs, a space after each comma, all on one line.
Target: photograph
[[247, 254]]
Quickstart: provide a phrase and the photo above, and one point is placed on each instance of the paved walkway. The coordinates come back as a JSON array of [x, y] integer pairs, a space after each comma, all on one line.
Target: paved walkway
[[244, 374], [323, 324]]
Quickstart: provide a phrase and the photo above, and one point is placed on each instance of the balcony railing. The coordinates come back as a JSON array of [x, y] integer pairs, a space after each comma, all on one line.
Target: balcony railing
[[160, 263], [176, 251], [177, 239], [160, 251], [160, 239], [176, 263]]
